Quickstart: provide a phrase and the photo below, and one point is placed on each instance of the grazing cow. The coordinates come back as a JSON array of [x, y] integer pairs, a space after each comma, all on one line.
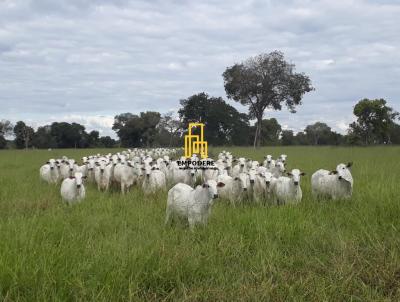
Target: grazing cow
[[287, 189], [336, 184], [72, 188], [49, 172], [193, 205]]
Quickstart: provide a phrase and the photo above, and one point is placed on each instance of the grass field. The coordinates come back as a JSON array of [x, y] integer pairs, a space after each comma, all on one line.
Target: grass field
[[115, 248]]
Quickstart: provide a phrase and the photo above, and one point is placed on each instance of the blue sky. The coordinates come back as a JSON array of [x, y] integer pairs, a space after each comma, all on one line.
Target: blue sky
[[86, 61]]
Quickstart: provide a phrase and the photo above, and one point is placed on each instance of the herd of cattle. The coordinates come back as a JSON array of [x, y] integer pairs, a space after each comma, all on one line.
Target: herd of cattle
[[230, 178]]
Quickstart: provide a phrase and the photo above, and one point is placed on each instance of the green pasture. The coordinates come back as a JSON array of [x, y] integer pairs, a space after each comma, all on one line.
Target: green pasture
[[116, 248]]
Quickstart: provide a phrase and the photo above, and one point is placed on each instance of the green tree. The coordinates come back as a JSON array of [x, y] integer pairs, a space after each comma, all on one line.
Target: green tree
[[43, 138], [288, 138], [6, 129], [93, 138], [3, 142], [107, 142], [169, 130], [224, 124], [318, 133], [270, 132], [136, 130], [23, 135], [374, 121], [69, 135], [265, 82], [301, 138], [395, 134]]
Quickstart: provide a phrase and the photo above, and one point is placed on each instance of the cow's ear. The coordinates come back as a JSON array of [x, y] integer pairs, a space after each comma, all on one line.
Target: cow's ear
[[236, 178], [72, 177], [333, 172], [302, 173], [289, 174], [349, 164], [220, 185], [205, 185], [48, 162], [84, 177]]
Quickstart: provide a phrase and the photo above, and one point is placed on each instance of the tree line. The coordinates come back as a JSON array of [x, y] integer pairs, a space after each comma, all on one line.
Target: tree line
[[264, 82], [375, 124], [56, 135]]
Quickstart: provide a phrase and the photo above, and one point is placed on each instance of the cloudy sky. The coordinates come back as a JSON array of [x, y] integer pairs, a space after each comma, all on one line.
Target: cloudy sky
[[87, 60]]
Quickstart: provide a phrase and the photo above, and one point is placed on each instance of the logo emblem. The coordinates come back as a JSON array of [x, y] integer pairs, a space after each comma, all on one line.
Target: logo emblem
[[194, 143]]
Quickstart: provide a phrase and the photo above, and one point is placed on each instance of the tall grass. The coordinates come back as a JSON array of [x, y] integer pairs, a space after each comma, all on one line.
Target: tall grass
[[115, 248]]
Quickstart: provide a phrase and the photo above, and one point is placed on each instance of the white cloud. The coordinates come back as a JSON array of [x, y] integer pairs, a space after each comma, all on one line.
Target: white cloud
[[87, 61]]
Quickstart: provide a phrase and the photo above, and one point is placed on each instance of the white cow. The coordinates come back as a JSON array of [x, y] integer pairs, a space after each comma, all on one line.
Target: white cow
[[240, 167], [235, 187], [282, 158], [335, 184], [287, 189], [72, 188], [278, 169], [102, 175], [49, 172], [68, 168], [267, 161], [154, 179], [126, 174], [193, 205]]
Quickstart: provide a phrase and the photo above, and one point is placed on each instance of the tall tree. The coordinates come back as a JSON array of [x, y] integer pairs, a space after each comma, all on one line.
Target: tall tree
[[224, 124], [107, 142], [374, 121], [287, 138], [170, 126], [270, 130], [265, 82], [23, 135], [43, 138], [6, 129], [318, 133], [93, 138], [69, 135], [136, 131]]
